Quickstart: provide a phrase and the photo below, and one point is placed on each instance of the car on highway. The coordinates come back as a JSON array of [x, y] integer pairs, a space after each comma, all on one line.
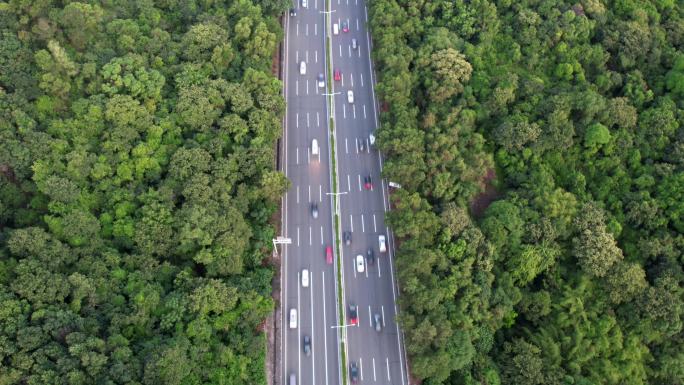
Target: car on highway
[[350, 96], [353, 314], [305, 4], [315, 150], [367, 183], [346, 236], [360, 264], [355, 45], [370, 256], [338, 75], [328, 255], [314, 210], [371, 139], [362, 145], [383, 243], [377, 322], [321, 81], [305, 278], [293, 379], [353, 372], [302, 68], [293, 12], [293, 318], [306, 345], [345, 27]]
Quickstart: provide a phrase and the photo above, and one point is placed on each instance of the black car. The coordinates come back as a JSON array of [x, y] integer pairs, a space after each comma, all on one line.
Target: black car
[[293, 12], [367, 183], [314, 210], [307, 346], [346, 236], [370, 256], [354, 372], [353, 314]]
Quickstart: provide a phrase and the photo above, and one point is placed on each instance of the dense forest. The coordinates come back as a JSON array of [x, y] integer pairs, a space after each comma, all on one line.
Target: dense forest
[[137, 147], [540, 146]]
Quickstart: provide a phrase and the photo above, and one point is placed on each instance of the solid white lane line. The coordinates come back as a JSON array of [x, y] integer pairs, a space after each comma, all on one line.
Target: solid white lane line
[[325, 330], [357, 25], [297, 25], [310, 237], [370, 317], [351, 222], [309, 193], [379, 274], [297, 90], [297, 119], [359, 52], [307, 30], [320, 193], [342, 78], [375, 227], [307, 86], [297, 194], [315, 7], [299, 329], [365, 10], [354, 110], [363, 225], [356, 142], [306, 56], [318, 119], [349, 49], [348, 183], [313, 350], [321, 235], [365, 262], [359, 182], [382, 309], [316, 29], [361, 367], [308, 155], [297, 151], [307, 120], [361, 79], [297, 235], [346, 146], [297, 57], [387, 363], [364, 111], [368, 146], [374, 377], [353, 268], [315, 56], [344, 111], [340, 50], [351, 80]]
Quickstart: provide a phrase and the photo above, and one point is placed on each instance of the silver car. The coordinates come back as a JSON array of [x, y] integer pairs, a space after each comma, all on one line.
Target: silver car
[[377, 322]]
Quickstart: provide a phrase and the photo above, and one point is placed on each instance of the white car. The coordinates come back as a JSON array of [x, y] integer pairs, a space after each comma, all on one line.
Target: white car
[[305, 278], [350, 96], [360, 264], [383, 244], [315, 150], [304, 4], [302, 68], [321, 81], [293, 318]]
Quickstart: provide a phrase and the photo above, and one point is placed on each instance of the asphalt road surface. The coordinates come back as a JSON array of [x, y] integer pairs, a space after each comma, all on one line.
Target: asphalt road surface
[[379, 355]]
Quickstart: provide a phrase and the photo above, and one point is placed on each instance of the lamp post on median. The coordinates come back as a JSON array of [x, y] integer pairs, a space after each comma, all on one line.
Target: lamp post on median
[[337, 201]]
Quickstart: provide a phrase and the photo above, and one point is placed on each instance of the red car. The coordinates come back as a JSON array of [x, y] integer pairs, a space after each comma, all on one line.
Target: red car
[[338, 75], [367, 184], [328, 255], [345, 26]]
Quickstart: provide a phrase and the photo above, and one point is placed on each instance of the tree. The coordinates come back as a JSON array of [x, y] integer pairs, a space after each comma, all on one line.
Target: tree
[[451, 70]]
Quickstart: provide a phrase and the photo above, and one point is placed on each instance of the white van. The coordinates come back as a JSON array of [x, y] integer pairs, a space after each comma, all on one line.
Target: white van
[[293, 318], [305, 278], [336, 29], [302, 68], [383, 243], [315, 150], [293, 379]]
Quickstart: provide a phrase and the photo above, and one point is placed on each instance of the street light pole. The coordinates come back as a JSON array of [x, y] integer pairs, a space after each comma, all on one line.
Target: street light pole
[[280, 241], [337, 208]]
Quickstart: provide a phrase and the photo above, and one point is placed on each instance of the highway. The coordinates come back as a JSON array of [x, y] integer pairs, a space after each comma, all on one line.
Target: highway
[[379, 355]]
